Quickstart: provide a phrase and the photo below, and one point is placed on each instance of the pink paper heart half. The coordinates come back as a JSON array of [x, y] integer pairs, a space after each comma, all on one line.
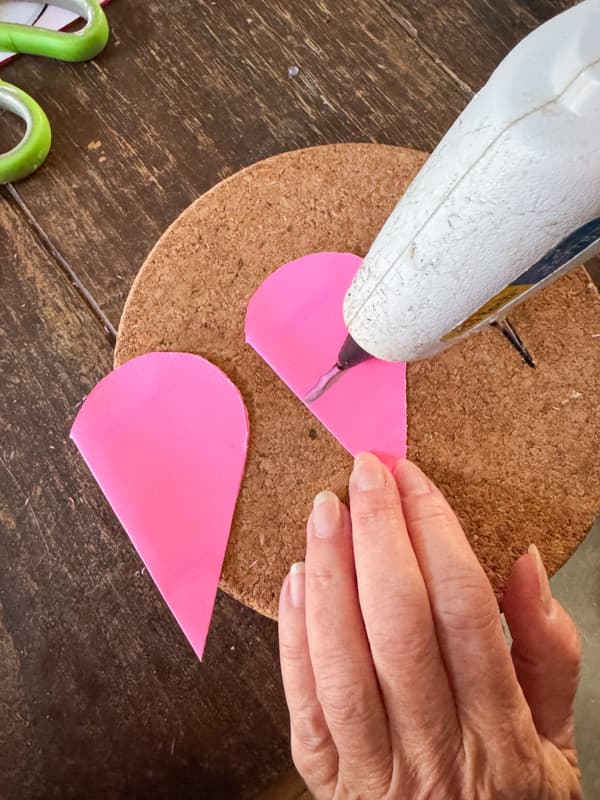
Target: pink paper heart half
[[165, 435], [295, 322]]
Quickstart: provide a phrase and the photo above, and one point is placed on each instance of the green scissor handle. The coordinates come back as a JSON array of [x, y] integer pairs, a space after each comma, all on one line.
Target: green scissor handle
[[79, 46], [33, 148], [82, 45]]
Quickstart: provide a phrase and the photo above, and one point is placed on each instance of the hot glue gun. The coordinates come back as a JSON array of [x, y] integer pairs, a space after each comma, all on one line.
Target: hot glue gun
[[508, 201]]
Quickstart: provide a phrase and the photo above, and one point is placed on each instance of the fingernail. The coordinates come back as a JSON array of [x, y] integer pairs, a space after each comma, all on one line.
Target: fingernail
[[411, 480], [545, 593], [368, 473], [297, 584], [326, 515]]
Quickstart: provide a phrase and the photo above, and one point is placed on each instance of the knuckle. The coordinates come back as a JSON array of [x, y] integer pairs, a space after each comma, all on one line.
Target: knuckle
[[345, 704], [467, 603], [408, 647], [513, 782], [517, 770], [292, 652], [573, 652], [428, 509], [320, 578], [309, 730], [318, 767], [525, 765], [480, 621], [564, 650], [400, 630], [375, 782], [375, 509]]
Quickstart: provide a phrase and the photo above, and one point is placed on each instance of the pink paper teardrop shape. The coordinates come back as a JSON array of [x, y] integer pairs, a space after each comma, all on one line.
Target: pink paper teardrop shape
[[165, 435], [295, 322]]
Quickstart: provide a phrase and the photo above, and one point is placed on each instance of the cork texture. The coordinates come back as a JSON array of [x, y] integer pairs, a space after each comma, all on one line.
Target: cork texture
[[514, 449]]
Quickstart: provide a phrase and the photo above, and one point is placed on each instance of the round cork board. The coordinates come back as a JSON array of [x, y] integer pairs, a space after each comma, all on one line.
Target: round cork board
[[514, 449]]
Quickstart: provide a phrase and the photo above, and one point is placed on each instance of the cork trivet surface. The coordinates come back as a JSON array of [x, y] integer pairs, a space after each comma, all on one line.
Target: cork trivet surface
[[515, 449]]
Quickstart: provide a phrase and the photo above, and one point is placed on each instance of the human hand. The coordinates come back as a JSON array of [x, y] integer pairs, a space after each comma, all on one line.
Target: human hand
[[398, 678]]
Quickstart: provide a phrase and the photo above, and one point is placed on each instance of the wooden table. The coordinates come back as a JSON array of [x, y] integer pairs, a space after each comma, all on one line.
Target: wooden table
[[100, 696]]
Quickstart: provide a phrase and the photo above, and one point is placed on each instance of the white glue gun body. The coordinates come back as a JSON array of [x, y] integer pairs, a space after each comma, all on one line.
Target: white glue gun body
[[509, 200]]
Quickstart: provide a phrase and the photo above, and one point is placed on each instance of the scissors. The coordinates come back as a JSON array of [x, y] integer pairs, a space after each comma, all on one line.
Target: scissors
[[81, 45]]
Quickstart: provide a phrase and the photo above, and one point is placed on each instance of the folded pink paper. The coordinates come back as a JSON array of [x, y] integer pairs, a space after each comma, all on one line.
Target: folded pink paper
[[165, 435], [295, 322]]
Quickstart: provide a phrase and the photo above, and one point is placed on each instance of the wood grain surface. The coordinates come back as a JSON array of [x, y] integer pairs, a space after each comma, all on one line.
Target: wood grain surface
[[468, 38], [182, 98], [99, 695]]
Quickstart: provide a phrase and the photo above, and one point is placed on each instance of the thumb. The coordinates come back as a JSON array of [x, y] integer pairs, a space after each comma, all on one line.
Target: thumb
[[546, 650]]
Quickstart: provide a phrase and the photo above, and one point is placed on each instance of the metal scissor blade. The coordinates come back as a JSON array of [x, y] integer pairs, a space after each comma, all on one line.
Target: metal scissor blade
[[21, 13]]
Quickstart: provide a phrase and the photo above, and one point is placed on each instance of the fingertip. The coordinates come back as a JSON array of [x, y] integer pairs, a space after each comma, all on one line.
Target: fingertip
[[522, 581], [528, 590], [284, 595], [328, 518], [368, 473], [546, 648], [410, 479], [292, 592], [297, 584], [533, 617], [400, 465]]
